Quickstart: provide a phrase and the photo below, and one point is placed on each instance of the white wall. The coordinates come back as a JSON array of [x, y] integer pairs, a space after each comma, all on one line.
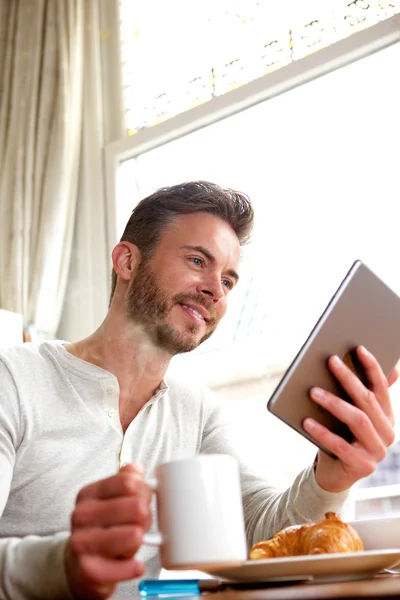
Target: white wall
[[11, 328]]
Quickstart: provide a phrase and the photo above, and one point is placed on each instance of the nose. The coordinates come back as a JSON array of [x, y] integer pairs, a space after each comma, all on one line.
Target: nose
[[212, 289]]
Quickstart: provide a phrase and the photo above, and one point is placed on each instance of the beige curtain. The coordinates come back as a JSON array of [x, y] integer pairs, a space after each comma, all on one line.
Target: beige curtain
[[86, 298], [52, 130], [40, 134]]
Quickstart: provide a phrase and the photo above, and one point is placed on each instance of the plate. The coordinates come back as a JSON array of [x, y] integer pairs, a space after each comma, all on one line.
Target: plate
[[320, 566]]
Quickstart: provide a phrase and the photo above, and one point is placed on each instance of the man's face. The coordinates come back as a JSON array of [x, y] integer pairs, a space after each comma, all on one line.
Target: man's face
[[180, 294]]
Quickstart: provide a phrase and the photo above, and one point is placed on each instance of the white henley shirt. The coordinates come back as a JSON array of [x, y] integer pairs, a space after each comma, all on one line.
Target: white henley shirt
[[60, 430]]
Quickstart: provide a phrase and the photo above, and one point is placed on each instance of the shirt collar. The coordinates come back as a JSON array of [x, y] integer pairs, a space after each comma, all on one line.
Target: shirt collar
[[160, 391]]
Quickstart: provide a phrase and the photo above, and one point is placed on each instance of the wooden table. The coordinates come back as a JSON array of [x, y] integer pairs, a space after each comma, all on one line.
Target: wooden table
[[381, 586], [386, 586]]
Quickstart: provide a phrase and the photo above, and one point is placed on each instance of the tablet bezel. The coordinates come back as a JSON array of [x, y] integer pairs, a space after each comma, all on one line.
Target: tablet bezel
[[363, 311]]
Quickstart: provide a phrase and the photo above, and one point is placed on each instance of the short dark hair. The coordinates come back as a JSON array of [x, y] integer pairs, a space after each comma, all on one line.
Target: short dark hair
[[150, 217]]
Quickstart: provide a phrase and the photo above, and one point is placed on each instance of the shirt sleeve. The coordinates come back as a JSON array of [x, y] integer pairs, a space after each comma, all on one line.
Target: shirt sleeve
[[30, 567], [266, 509]]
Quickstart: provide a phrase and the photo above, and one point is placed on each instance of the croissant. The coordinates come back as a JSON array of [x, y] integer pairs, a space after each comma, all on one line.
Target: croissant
[[325, 536]]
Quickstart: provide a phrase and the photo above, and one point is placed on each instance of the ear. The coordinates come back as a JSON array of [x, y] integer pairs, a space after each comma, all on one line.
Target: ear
[[126, 258]]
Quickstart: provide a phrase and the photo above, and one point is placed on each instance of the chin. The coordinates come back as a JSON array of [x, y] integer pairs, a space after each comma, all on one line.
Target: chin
[[180, 339], [188, 344]]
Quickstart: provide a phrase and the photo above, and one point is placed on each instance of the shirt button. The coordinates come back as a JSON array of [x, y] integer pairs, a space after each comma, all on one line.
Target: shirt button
[[110, 391], [111, 413]]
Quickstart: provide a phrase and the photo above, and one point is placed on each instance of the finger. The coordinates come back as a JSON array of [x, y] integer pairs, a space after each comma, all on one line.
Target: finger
[[122, 484], [101, 570], [349, 381], [116, 511], [351, 455], [378, 381], [374, 402], [394, 375], [132, 470], [357, 421], [116, 542]]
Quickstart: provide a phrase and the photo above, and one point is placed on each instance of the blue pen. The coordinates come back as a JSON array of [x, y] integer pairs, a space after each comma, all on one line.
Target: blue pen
[[187, 587], [194, 587]]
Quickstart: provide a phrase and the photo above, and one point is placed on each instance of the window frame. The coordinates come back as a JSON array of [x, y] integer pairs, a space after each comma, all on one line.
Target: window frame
[[359, 45]]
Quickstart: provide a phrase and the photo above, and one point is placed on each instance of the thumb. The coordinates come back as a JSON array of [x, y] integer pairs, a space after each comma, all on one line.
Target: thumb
[[132, 469], [394, 375]]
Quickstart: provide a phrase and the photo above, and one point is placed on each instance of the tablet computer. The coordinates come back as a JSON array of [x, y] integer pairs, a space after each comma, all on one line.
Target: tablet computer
[[363, 311]]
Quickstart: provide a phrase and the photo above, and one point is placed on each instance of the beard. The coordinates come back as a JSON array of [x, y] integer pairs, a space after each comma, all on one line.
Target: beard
[[149, 305]]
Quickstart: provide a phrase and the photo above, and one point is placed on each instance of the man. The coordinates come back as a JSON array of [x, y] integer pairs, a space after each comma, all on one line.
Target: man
[[79, 421]]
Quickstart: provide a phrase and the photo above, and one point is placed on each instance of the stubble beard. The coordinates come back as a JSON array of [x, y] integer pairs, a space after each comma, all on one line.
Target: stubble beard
[[148, 304]]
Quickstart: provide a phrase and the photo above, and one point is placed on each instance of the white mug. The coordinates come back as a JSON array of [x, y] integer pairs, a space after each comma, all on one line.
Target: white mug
[[379, 533], [199, 513]]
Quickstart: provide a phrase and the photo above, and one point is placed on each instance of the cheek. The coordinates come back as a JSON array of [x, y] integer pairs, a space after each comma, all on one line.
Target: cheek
[[174, 277], [171, 282]]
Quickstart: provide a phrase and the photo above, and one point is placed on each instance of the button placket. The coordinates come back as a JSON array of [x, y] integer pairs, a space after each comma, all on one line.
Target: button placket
[[111, 403], [125, 455]]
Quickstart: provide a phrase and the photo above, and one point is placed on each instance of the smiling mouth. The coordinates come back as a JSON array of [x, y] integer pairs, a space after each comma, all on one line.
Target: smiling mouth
[[194, 312]]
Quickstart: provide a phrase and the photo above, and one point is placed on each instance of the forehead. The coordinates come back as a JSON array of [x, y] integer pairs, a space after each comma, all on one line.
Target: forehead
[[203, 229]]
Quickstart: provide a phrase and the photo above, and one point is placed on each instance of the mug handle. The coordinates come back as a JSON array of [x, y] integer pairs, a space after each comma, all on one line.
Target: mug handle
[[153, 538], [393, 571]]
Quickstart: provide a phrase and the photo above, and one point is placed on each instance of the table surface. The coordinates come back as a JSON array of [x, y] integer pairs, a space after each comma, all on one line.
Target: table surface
[[380, 586]]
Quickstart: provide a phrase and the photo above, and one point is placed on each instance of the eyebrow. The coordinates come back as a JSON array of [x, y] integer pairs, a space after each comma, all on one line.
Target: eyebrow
[[231, 272]]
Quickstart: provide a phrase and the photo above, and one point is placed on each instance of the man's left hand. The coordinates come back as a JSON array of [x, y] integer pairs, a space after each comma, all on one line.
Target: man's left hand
[[370, 419]]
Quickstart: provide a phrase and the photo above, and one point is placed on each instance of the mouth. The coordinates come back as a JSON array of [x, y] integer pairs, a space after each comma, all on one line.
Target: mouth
[[195, 313]]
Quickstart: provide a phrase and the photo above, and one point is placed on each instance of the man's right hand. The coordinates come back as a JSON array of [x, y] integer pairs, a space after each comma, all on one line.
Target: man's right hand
[[107, 528]]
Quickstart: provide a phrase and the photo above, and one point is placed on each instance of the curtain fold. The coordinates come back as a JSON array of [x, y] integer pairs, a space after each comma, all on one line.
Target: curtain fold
[[40, 136], [86, 298], [60, 102]]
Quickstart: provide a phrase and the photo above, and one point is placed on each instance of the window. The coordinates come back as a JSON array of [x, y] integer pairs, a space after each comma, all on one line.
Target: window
[[315, 161], [187, 53]]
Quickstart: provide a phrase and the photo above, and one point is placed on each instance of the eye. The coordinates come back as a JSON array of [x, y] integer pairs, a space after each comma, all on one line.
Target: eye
[[198, 262], [227, 283]]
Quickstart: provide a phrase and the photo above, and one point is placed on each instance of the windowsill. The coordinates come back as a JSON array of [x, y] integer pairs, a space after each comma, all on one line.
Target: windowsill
[[382, 491], [232, 366]]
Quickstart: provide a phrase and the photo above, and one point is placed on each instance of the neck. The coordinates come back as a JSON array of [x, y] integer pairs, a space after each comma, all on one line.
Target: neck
[[123, 349]]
